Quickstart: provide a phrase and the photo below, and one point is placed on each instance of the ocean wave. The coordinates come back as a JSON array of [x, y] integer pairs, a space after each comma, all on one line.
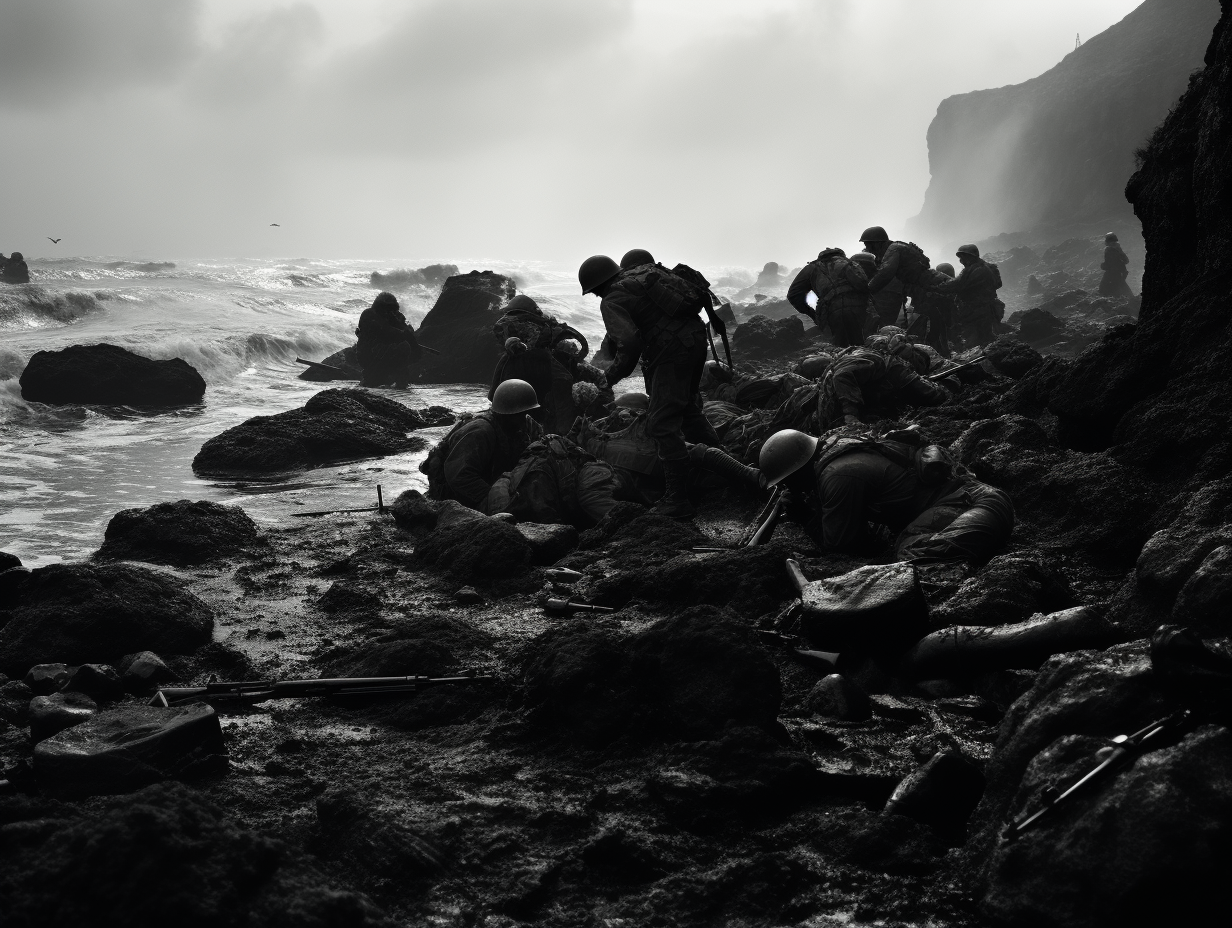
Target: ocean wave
[[145, 267], [222, 359], [30, 306], [402, 278]]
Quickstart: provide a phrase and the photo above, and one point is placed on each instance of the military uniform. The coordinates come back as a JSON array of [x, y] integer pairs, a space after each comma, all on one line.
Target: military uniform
[[976, 290], [1116, 271], [906, 264], [672, 349], [842, 296], [466, 462], [864, 380], [387, 346]]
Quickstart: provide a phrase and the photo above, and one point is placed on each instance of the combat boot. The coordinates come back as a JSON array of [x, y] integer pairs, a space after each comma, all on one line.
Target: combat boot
[[675, 502]]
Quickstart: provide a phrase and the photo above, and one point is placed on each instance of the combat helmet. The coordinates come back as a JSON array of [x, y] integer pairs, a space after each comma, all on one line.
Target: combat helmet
[[784, 453], [596, 271], [874, 234], [513, 397]]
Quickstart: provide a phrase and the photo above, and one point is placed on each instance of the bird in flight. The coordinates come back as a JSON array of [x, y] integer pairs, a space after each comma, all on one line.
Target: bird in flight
[[54, 241], [275, 224]]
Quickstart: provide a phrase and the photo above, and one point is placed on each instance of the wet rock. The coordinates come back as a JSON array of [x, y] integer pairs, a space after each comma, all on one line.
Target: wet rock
[[616, 857], [942, 793], [882, 843], [52, 714], [468, 596], [100, 681], [685, 676], [1009, 588], [345, 360], [1205, 601], [1170, 556], [548, 543], [345, 597], [79, 613], [44, 679], [107, 375], [12, 586], [15, 699], [1012, 358], [414, 511], [181, 533], [1002, 687], [125, 748], [1004, 435], [167, 856], [416, 656], [459, 325], [478, 548], [836, 697], [372, 840], [763, 335], [1148, 847], [335, 425], [871, 609], [143, 672], [8, 561], [1037, 325]]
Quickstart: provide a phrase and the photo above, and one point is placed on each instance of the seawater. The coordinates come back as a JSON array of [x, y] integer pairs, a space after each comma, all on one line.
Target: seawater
[[66, 470]]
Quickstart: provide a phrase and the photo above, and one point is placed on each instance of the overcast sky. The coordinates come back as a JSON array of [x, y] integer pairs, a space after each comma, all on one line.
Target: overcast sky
[[709, 131]]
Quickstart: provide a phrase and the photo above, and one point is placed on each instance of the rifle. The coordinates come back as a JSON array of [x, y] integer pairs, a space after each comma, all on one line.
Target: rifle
[[568, 606], [956, 369], [379, 507], [825, 661], [1122, 751], [718, 325], [768, 519], [346, 374], [260, 690]]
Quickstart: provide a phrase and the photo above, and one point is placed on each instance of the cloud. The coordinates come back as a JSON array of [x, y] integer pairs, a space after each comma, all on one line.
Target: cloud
[[258, 57], [56, 51]]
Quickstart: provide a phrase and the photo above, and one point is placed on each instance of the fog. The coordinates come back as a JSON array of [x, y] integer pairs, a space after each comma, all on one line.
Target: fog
[[708, 131]]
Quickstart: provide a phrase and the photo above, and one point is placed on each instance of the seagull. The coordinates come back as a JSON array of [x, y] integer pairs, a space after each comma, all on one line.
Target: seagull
[[54, 241], [275, 224]]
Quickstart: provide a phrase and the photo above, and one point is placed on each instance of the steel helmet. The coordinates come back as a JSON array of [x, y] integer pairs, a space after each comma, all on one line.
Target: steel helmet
[[946, 268], [784, 453], [874, 234], [514, 396], [636, 257], [864, 257], [1111, 237], [596, 271], [719, 371], [968, 250], [633, 401]]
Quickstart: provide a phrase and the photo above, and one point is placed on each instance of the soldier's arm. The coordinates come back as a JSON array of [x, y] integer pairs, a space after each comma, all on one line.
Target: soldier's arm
[[797, 293], [912, 388], [624, 334], [885, 273], [467, 464]]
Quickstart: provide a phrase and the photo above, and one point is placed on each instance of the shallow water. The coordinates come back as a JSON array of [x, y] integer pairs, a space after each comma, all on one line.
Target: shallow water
[[64, 471]]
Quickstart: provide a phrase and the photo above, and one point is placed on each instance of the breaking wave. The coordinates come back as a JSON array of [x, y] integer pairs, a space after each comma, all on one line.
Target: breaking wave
[[222, 359], [401, 278], [29, 306]]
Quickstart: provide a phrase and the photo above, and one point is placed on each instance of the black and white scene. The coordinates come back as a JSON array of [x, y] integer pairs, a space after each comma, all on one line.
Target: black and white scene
[[615, 463]]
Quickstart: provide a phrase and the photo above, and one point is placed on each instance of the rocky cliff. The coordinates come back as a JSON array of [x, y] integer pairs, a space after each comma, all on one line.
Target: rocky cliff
[[1053, 153]]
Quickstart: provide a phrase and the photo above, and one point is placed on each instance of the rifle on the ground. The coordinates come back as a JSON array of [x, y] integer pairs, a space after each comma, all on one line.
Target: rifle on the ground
[[261, 690], [768, 519], [825, 661], [1120, 753], [349, 375], [955, 369], [568, 606], [379, 507]]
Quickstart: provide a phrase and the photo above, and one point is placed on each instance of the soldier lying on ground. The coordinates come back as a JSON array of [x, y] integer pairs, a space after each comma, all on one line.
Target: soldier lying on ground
[[842, 485], [464, 464], [555, 482], [864, 382]]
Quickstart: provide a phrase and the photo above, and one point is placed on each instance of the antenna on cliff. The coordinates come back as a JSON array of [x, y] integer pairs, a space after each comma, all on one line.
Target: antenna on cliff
[[1077, 41]]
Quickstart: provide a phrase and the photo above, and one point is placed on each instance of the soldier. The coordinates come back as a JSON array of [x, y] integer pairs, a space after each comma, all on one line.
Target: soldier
[[636, 257], [842, 295], [387, 346], [466, 462], [891, 297], [1116, 269], [556, 483], [938, 309], [897, 262], [652, 314], [976, 290], [864, 382], [838, 488]]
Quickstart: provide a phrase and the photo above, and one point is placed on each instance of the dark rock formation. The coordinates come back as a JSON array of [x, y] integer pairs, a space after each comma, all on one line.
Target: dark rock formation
[[1057, 149], [76, 613], [1012, 358], [346, 362], [335, 425], [8, 561], [762, 335], [107, 375], [1007, 589], [165, 856], [459, 325], [50, 715], [183, 532], [471, 546]]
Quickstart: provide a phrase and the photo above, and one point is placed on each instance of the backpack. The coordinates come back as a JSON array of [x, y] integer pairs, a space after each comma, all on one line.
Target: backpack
[[673, 294], [697, 280], [914, 261], [542, 487], [833, 267], [996, 274], [433, 466]]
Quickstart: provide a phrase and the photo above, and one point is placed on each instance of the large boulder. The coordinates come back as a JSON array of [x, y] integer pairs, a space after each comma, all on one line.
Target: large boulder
[[1007, 589], [459, 326], [163, 856], [107, 375], [78, 613], [470, 546], [335, 425], [682, 677], [763, 335], [183, 532]]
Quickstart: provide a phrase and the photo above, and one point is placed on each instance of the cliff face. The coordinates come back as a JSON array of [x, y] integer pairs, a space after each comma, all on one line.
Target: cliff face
[[1055, 152]]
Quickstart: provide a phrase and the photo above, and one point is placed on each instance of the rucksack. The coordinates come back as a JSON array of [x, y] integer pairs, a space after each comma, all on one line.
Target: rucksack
[[543, 485], [433, 466], [672, 293], [914, 262], [996, 274], [697, 280], [833, 266]]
